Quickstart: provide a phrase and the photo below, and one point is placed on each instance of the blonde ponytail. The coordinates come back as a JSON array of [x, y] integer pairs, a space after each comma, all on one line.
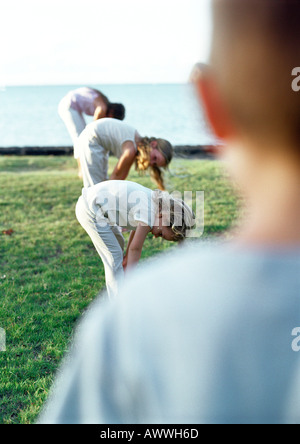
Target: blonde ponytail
[[142, 162]]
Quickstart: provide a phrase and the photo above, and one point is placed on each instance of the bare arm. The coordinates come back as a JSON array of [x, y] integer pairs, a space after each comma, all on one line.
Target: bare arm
[[134, 249], [101, 108], [125, 162], [131, 236]]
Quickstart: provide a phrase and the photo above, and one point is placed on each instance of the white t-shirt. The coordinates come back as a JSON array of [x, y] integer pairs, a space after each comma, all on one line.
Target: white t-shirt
[[204, 335], [82, 100], [110, 134], [121, 202]]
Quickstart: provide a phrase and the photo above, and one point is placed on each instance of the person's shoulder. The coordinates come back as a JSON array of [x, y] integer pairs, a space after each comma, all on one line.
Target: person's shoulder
[[199, 284], [186, 257], [210, 277], [218, 271], [177, 269]]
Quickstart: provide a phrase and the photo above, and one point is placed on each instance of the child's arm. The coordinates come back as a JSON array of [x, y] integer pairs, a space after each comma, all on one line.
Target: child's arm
[[125, 162], [131, 236], [134, 249], [99, 113], [100, 103]]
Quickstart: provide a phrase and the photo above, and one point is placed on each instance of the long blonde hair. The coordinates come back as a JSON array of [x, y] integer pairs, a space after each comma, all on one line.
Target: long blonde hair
[[142, 162]]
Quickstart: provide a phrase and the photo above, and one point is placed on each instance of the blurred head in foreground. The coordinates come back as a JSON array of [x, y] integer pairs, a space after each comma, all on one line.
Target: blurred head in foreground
[[249, 101]]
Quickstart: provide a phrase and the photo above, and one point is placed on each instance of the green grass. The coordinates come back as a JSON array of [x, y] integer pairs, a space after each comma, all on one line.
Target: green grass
[[50, 271]]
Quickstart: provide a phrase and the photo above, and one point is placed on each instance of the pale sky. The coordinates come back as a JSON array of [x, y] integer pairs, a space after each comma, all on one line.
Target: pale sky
[[102, 41]]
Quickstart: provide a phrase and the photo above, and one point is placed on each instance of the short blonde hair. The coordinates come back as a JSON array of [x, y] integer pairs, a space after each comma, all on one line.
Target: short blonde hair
[[179, 216]]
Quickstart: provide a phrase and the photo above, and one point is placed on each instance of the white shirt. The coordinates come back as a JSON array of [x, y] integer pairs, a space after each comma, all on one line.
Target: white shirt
[[121, 202], [110, 134]]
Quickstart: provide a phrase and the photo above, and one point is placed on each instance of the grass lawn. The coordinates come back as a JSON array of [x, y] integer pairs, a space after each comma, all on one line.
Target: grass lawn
[[50, 271]]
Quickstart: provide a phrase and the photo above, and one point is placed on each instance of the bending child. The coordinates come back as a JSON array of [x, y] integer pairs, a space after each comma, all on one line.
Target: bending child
[[90, 102], [106, 136], [102, 208]]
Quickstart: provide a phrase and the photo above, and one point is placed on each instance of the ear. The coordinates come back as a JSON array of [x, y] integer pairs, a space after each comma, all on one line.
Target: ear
[[214, 107]]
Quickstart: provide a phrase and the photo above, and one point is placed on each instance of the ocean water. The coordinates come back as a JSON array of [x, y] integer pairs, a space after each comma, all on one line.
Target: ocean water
[[28, 114]]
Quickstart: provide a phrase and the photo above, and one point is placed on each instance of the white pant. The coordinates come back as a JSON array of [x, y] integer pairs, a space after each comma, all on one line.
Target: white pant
[[73, 120], [108, 241], [93, 161]]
